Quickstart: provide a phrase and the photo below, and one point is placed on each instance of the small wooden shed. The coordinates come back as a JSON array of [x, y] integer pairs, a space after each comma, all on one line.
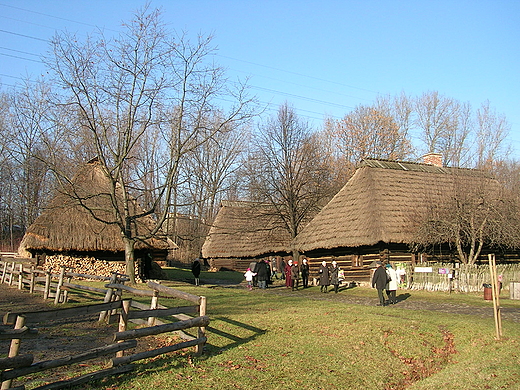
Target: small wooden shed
[[244, 232]]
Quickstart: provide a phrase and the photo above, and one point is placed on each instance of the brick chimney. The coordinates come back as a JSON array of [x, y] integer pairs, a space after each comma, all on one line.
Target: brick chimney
[[433, 159]]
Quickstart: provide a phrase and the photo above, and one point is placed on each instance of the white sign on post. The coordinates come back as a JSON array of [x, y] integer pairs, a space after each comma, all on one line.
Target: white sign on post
[[423, 269]]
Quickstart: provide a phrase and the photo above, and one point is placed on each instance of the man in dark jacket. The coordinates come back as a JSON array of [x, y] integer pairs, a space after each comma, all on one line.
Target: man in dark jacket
[[195, 269], [262, 273], [305, 273], [379, 282]]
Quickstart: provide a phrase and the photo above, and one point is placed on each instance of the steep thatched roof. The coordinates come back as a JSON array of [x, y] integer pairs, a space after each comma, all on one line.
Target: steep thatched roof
[[66, 225], [383, 202], [245, 229]]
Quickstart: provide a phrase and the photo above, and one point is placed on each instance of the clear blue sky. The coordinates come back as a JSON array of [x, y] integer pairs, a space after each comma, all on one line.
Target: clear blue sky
[[323, 57]]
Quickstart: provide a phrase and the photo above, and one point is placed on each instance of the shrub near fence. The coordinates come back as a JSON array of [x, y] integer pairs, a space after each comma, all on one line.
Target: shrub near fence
[[467, 278], [16, 366]]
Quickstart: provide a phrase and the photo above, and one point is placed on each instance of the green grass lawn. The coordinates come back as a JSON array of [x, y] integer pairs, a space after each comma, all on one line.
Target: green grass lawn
[[269, 340]]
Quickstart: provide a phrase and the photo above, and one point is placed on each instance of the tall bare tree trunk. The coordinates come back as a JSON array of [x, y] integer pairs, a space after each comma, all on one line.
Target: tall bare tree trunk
[[130, 258]]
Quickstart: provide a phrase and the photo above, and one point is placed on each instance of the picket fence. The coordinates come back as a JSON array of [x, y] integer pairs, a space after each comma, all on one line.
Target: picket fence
[[465, 278]]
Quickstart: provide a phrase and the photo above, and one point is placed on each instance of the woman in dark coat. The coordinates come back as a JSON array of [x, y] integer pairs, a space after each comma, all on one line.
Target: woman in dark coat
[[295, 275], [334, 276], [287, 273], [324, 277], [305, 273], [379, 282]]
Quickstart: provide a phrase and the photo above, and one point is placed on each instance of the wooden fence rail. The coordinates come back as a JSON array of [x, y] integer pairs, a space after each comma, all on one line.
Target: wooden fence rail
[[16, 366]]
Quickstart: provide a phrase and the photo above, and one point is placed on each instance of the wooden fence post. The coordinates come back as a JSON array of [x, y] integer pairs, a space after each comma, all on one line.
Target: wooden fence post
[[60, 284], [32, 280], [108, 296], [4, 271], [20, 277], [15, 347], [123, 320], [66, 292], [202, 329], [13, 266], [47, 289], [153, 305], [495, 292]]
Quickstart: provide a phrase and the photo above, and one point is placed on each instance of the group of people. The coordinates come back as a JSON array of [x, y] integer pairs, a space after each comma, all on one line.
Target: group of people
[[330, 276], [385, 278], [260, 274], [292, 273]]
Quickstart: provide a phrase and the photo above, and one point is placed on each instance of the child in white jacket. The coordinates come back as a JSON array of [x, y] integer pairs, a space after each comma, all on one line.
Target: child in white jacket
[[249, 278]]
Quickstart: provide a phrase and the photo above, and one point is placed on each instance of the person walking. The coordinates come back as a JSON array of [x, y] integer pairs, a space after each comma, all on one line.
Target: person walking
[[379, 282], [391, 286], [304, 270], [274, 269], [334, 276], [195, 270], [324, 276], [262, 274], [287, 273], [295, 276]]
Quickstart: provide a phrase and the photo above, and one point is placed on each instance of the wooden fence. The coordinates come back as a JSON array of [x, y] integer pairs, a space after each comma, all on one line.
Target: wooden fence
[[23, 273], [464, 278], [115, 306]]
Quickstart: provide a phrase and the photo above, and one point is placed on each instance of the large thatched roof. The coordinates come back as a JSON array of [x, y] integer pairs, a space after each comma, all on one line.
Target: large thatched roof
[[383, 202], [245, 229], [66, 225]]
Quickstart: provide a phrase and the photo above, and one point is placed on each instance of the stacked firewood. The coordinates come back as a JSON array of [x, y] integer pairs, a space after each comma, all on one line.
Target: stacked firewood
[[83, 265]]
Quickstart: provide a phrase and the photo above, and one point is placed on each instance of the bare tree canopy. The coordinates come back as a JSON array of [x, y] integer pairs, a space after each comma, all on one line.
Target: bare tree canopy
[[287, 170], [143, 102], [474, 214]]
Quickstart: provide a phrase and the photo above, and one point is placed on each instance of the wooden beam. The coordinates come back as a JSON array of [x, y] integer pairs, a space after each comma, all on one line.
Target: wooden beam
[[158, 329], [174, 293], [16, 361], [58, 314], [86, 378], [156, 352], [22, 333], [65, 361]]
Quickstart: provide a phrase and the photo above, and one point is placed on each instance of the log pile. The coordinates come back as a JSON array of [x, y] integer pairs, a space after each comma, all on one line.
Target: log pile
[[83, 265]]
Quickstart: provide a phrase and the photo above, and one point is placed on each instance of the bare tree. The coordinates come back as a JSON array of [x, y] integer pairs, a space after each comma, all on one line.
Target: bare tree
[[28, 118], [492, 132], [474, 214], [210, 175], [369, 131], [142, 101], [287, 170]]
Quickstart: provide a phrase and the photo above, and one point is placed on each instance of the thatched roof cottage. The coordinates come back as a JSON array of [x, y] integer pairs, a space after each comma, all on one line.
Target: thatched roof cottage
[[69, 228], [244, 232], [376, 214]]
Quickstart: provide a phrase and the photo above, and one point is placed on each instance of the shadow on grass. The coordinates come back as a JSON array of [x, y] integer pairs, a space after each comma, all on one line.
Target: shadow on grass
[[234, 340], [403, 297]]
